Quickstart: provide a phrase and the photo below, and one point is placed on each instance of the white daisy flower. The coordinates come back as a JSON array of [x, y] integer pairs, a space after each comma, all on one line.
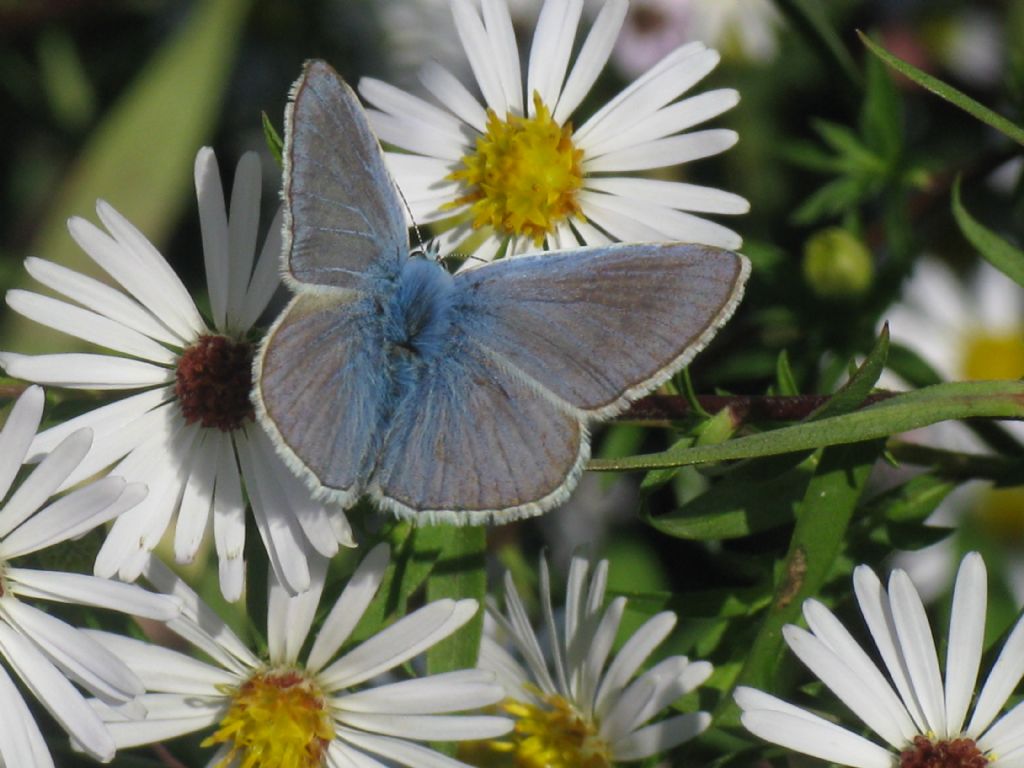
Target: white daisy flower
[[920, 716], [47, 654], [582, 710], [285, 712], [189, 432], [512, 174]]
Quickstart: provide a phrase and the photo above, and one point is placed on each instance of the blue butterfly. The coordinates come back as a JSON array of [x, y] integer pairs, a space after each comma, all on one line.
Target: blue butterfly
[[455, 398]]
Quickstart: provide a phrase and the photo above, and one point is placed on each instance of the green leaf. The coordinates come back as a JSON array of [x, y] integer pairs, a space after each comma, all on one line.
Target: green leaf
[[947, 92], [785, 381], [912, 501], [998, 252], [274, 141], [902, 413], [827, 507], [458, 574], [140, 157], [881, 119]]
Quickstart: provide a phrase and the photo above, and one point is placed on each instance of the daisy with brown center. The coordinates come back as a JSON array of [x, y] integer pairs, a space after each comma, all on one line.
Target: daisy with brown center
[[188, 432], [920, 716], [289, 712], [513, 175], [582, 711]]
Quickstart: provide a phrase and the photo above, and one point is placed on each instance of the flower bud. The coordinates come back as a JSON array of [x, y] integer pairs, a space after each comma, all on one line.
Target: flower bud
[[837, 265]]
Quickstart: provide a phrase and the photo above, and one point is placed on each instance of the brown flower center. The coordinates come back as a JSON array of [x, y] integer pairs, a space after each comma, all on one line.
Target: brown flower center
[[954, 753], [213, 383]]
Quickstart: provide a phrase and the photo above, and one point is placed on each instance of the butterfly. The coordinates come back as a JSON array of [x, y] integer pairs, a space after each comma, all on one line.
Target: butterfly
[[465, 397]]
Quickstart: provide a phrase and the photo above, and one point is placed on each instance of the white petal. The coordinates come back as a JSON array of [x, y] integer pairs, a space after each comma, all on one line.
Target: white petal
[[200, 624], [518, 626], [660, 153], [167, 716], [83, 371], [103, 421], [457, 691], [575, 584], [403, 752], [44, 480], [55, 693], [918, 650], [652, 692], [349, 607], [342, 755], [21, 743], [399, 642], [79, 656], [829, 630], [1006, 735], [100, 298], [816, 737], [164, 670], [510, 674], [672, 194], [1000, 683], [660, 737], [174, 295], [82, 589], [505, 51], [266, 277], [558, 652], [474, 40], [197, 498], [63, 519], [661, 75], [243, 229], [620, 226], [18, 432], [633, 653], [447, 89], [874, 605], [281, 534], [396, 102], [665, 122], [301, 612], [415, 136], [859, 694], [87, 325], [592, 59], [213, 222], [429, 727], [229, 523], [550, 50], [596, 652], [966, 638]]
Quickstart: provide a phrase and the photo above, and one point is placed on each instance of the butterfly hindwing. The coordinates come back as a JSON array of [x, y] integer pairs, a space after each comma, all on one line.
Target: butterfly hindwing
[[343, 218], [471, 442], [599, 327], [322, 389]]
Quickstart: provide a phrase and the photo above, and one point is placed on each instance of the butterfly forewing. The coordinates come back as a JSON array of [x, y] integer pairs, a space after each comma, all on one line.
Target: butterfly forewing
[[597, 327], [343, 217]]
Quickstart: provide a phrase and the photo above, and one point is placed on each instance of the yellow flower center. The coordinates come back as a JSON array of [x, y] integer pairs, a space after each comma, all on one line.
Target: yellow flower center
[[524, 175], [554, 735], [277, 719], [994, 356]]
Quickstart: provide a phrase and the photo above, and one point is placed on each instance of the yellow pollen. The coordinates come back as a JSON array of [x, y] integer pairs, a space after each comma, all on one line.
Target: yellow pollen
[[994, 356], [277, 719], [524, 175], [551, 735]]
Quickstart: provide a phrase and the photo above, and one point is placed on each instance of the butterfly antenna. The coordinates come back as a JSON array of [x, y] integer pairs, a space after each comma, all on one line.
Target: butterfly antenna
[[422, 247]]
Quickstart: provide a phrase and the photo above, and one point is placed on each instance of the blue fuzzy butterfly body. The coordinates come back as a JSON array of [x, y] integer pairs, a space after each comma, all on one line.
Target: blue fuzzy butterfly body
[[462, 398]]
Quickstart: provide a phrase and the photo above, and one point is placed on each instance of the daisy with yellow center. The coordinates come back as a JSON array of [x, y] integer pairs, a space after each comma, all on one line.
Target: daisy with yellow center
[[920, 714], [290, 712], [579, 707], [514, 174]]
